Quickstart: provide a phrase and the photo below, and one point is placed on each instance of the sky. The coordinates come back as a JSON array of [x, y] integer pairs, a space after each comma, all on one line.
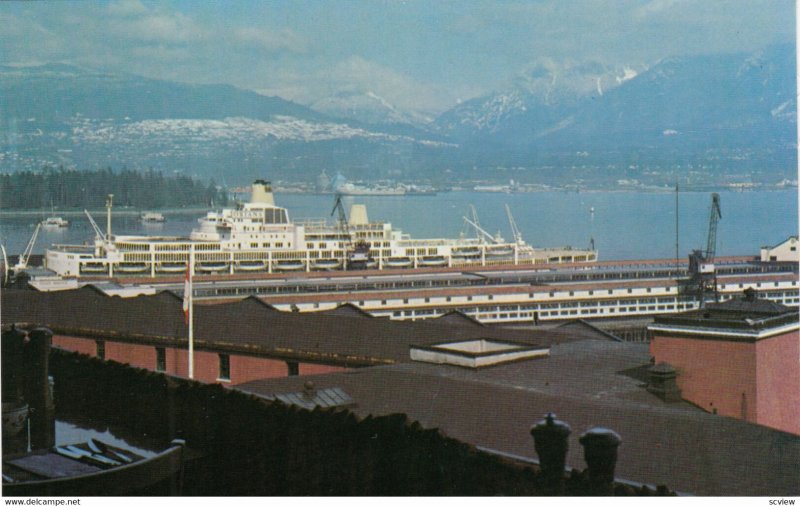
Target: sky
[[421, 55]]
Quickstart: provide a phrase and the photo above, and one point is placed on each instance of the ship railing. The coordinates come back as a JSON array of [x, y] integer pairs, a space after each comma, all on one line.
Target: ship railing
[[312, 222], [72, 248]]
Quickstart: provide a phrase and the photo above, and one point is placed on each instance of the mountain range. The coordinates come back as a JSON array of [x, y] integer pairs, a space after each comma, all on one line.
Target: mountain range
[[720, 114]]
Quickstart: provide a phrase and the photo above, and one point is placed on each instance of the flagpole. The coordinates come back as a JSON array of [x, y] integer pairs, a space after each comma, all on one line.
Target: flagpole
[[191, 315]]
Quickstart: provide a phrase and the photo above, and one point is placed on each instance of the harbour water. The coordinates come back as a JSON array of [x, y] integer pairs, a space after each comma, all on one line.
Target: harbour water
[[624, 225]]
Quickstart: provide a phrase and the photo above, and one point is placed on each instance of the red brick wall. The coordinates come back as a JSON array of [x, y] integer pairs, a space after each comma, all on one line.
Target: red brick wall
[[243, 368], [712, 374], [79, 344], [309, 369], [778, 376]]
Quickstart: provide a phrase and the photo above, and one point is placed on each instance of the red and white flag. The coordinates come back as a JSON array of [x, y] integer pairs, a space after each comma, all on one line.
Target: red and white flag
[[187, 293]]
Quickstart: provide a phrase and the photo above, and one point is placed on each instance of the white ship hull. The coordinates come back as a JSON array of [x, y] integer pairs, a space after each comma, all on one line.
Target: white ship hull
[[259, 237]]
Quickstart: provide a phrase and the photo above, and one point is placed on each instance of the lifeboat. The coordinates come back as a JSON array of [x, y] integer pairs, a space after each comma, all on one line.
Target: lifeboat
[[94, 267], [131, 268], [212, 266], [502, 251], [433, 261], [250, 265], [398, 262], [327, 263], [467, 252], [171, 267], [290, 265]]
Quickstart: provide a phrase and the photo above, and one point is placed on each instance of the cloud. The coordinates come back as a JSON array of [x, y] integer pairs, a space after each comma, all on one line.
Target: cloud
[[127, 8], [270, 41], [157, 27]]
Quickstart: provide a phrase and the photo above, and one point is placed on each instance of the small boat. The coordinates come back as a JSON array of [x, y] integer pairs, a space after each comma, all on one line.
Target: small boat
[[398, 262], [171, 267], [327, 263], [250, 265], [55, 222], [290, 265], [212, 266], [91, 469], [433, 261], [131, 267], [152, 217], [503, 251], [467, 252], [93, 267]]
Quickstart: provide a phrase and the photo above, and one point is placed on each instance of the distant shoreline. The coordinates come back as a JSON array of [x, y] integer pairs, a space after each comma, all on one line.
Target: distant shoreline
[[128, 211], [44, 213]]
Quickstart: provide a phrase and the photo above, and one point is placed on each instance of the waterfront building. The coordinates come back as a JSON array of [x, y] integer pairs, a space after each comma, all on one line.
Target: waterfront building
[[785, 251], [739, 358]]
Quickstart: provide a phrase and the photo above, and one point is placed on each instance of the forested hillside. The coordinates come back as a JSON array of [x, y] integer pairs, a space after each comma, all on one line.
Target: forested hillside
[[64, 189]]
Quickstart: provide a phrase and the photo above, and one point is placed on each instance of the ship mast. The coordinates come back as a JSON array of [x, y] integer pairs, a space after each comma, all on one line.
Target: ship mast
[[109, 205]]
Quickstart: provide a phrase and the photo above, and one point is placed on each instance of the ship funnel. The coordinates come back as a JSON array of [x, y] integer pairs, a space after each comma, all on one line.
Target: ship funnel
[[262, 193], [358, 215]]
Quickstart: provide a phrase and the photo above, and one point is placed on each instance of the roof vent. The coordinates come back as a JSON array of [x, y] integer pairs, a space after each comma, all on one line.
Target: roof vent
[[476, 353], [661, 381]]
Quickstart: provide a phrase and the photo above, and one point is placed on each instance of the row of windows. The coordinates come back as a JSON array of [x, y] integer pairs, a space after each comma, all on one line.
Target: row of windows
[[495, 313]]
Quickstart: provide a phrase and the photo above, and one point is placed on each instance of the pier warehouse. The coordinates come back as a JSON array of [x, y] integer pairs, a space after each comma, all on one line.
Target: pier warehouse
[[586, 377]]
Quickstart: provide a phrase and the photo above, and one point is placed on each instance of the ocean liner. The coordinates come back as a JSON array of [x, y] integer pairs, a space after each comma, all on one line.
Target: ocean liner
[[258, 236]]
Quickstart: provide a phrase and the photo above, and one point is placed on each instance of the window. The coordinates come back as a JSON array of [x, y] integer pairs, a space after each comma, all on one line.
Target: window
[[161, 359], [101, 349], [224, 367]]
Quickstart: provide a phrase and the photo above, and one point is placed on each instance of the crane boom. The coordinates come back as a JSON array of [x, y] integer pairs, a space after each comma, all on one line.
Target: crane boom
[[338, 206], [514, 229], [99, 233], [22, 263], [714, 216], [481, 232]]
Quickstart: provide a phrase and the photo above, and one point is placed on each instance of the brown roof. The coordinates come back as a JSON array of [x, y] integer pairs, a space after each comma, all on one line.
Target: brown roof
[[342, 336], [587, 384]]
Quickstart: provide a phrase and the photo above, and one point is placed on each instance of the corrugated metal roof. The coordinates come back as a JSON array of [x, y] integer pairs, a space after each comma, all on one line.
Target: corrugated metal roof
[[312, 398]]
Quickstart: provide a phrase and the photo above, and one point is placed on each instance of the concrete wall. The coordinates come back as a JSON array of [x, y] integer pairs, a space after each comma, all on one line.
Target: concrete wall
[[243, 368]]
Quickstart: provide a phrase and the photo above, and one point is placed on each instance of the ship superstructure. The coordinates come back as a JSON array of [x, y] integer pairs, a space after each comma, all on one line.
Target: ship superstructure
[[259, 236]]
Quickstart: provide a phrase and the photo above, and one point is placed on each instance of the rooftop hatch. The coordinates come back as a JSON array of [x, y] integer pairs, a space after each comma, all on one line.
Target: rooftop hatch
[[476, 353]]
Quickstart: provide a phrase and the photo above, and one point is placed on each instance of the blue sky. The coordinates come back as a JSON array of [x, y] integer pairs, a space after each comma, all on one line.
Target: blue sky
[[420, 55]]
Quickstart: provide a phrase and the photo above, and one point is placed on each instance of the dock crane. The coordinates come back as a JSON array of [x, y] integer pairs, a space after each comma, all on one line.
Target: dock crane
[[702, 272], [357, 252], [514, 229], [22, 262], [98, 233]]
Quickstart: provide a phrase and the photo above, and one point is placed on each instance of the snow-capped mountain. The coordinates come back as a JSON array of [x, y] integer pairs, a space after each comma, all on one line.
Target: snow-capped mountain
[[737, 108], [368, 108], [66, 115], [711, 111], [547, 90]]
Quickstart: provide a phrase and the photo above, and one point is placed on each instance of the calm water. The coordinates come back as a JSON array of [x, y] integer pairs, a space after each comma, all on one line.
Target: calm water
[[623, 225]]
